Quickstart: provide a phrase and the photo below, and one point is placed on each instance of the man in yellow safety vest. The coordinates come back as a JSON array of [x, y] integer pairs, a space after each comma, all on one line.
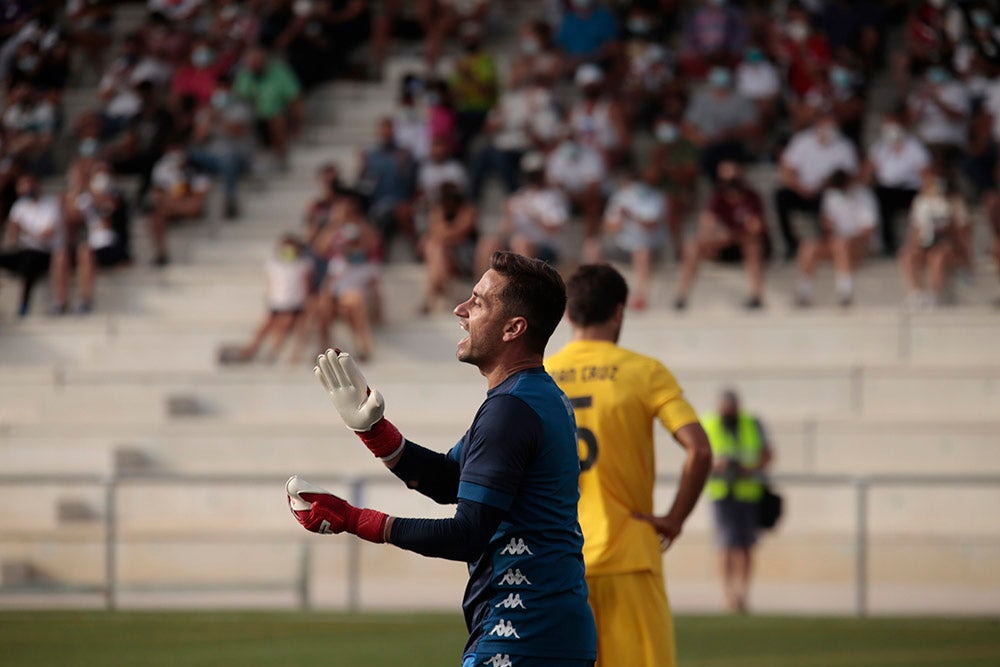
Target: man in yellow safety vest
[[741, 453]]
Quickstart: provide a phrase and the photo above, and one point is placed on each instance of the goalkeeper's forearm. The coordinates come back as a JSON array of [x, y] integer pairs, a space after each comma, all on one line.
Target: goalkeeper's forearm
[[463, 537], [430, 473]]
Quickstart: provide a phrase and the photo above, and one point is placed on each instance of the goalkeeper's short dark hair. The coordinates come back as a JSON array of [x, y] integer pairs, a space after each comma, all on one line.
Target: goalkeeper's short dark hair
[[594, 292], [534, 291]]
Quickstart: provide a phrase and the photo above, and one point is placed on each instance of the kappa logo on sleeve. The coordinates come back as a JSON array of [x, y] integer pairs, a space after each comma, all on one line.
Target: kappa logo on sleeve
[[499, 660]]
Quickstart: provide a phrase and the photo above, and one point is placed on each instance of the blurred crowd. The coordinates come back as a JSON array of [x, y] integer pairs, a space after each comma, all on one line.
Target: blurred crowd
[[630, 126]]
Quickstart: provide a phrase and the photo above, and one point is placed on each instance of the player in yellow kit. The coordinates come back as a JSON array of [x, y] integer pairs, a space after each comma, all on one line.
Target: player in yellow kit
[[617, 394]]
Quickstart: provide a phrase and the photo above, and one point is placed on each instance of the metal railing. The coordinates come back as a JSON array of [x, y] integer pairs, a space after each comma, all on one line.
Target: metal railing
[[862, 486]]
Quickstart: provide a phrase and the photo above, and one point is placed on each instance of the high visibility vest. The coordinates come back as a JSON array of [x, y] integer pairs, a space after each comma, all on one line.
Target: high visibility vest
[[746, 448]]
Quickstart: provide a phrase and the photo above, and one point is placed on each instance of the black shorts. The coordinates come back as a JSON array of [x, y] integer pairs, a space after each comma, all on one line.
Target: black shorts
[[109, 256], [735, 522]]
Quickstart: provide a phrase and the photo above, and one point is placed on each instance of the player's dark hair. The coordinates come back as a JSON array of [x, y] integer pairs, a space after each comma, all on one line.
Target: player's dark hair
[[594, 292], [534, 291]]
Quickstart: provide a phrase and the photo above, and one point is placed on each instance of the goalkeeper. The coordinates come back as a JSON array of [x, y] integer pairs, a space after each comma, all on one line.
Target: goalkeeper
[[513, 476]]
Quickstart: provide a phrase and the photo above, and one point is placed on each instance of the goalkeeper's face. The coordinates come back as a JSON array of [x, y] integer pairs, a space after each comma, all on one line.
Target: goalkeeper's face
[[484, 318]]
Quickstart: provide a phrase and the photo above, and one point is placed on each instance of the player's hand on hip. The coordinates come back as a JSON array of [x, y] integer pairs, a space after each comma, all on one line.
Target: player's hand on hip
[[320, 511], [359, 406], [666, 527]]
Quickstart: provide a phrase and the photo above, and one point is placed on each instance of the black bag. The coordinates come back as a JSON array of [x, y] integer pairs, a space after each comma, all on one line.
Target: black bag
[[770, 508]]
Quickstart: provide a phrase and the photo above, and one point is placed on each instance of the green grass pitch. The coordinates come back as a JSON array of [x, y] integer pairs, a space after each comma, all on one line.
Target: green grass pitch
[[39, 639]]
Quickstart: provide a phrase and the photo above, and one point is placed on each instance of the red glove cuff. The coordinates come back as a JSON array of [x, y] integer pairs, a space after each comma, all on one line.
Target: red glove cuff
[[368, 524], [382, 439]]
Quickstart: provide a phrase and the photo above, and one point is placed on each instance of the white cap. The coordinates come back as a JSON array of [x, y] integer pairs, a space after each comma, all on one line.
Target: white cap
[[588, 74]]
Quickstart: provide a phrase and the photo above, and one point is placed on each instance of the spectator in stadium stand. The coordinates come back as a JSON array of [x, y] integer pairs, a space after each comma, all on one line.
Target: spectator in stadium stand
[[410, 123], [276, 97], [289, 275], [474, 86], [939, 113], [855, 27], [676, 159], [441, 168], [199, 75], [523, 112], [36, 243], [742, 452], [895, 166], [588, 33], [809, 159], [534, 219], [937, 240], [537, 55], [715, 33], [758, 80], [647, 69], [731, 227], [449, 246], [848, 218], [387, 178], [598, 118], [29, 126], [514, 477], [580, 172], [352, 283], [91, 27], [222, 144], [143, 141], [95, 214], [930, 34], [447, 18], [442, 121], [720, 121], [635, 225], [803, 52], [178, 194]]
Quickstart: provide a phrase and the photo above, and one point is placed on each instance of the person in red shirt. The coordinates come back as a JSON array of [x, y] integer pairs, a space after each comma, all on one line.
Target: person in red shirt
[[732, 226], [804, 52], [199, 76]]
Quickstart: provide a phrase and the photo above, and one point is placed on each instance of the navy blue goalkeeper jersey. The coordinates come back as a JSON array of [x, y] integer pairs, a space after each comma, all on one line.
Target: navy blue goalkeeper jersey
[[526, 593]]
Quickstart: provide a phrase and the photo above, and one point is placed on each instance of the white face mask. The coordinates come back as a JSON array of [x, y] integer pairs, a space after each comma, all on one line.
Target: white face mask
[[938, 4], [892, 132], [100, 183], [798, 31], [666, 133], [530, 46]]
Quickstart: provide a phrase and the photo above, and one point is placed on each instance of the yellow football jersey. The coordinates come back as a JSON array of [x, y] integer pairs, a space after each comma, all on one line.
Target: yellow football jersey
[[617, 394]]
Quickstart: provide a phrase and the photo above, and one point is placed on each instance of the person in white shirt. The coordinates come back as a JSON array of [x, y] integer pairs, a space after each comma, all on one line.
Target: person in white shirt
[[178, 194], [895, 166], [534, 218], [597, 119], [937, 240], [811, 157], [848, 217], [289, 278], [36, 243], [635, 223], [758, 80], [440, 169], [939, 108], [580, 171]]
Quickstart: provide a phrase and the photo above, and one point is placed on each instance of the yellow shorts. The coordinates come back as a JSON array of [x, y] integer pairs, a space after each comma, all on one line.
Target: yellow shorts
[[634, 624]]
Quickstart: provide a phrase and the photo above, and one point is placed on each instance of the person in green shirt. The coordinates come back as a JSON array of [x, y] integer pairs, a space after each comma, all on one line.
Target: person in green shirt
[[271, 88], [474, 86], [740, 453]]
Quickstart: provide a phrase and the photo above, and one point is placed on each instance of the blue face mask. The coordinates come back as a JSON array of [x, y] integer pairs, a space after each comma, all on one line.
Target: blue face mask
[[720, 77], [755, 56], [202, 57], [841, 77], [88, 147], [938, 75], [982, 19]]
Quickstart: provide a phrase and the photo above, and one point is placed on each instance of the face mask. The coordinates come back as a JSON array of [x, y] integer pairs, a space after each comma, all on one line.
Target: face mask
[[755, 56], [88, 147], [937, 75], [639, 25], [27, 63], [938, 4], [220, 99], [202, 57], [798, 31], [583, 5], [892, 132], [530, 46], [100, 183], [288, 253], [720, 78], [666, 133], [433, 99], [982, 19], [841, 77]]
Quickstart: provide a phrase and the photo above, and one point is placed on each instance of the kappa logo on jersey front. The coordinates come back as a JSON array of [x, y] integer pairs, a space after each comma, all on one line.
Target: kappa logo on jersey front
[[514, 578], [499, 660], [512, 601], [516, 547], [504, 629]]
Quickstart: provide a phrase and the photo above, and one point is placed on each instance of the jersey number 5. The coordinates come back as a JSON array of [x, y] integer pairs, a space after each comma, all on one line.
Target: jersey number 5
[[588, 441]]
